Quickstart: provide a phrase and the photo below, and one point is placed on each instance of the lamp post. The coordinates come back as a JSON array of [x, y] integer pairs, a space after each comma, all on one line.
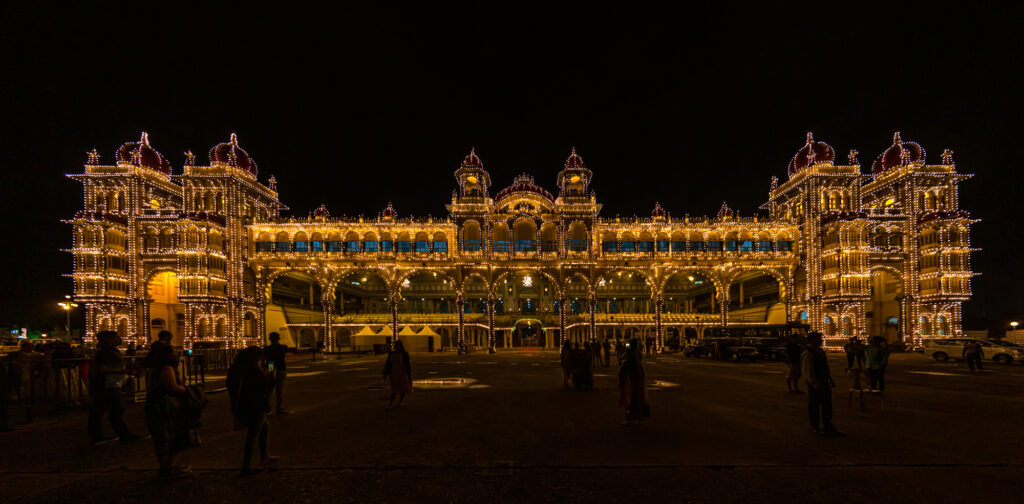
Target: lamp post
[[1013, 329], [67, 305]]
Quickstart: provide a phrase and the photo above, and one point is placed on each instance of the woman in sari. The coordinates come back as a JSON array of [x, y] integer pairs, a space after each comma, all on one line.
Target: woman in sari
[[632, 389], [399, 372]]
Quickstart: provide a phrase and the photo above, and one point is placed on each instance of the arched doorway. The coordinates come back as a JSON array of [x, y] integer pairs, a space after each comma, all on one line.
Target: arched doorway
[[528, 332], [295, 301], [526, 294], [883, 315], [165, 310], [690, 292]]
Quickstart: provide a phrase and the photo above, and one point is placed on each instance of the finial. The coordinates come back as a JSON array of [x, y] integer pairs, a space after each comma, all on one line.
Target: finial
[[896, 138], [234, 139], [572, 151], [810, 137], [190, 159], [852, 156], [904, 156], [137, 156], [94, 157], [272, 183], [775, 182], [947, 157], [145, 139]]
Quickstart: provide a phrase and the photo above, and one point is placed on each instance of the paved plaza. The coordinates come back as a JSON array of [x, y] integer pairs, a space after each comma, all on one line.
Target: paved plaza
[[501, 428]]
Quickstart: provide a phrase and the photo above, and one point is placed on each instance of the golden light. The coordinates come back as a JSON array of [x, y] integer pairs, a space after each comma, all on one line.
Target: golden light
[[471, 179], [574, 179]]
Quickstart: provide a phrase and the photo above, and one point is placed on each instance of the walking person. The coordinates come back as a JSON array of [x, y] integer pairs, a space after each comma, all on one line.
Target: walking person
[[566, 360], [249, 384], [108, 377], [398, 371], [876, 358], [973, 353], [275, 353], [852, 349], [632, 386], [793, 351], [814, 364], [607, 353], [163, 410]]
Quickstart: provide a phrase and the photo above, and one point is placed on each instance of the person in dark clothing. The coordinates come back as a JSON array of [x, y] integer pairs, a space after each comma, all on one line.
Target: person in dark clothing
[[566, 361], [876, 358], [105, 383], [793, 351], [816, 374], [632, 387], [973, 354], [162, 410], [607, 353], [249, 385], [275, 353], [398, 371], [854, 354], [163, 339]]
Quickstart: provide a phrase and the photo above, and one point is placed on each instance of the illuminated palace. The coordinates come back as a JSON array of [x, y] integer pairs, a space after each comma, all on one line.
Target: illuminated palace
[[207, 255]]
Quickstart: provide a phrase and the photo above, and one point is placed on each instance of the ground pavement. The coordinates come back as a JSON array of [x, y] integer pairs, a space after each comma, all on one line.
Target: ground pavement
[[509, 432]]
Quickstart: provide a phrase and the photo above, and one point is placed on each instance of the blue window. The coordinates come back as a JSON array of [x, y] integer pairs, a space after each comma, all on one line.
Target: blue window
[[574, 307], [334, 246], [481, 307], [499, 307], [679, 246], [422, 247], [302, 246], [529, 306], [663, 245], [467, 307], [441, 247], [613, 306], [785, 246], [387, 246], [282, 246], [731, 245], [608, 246], [696, 245], [526, 245], [576, 245], [747, 246], [764, 246], [370, 246], [403, 247], [557, 307], [352, 246], [644, 246], [549, 246], [317, 245], [471, 245], [715, 246], [628, 246], [804, 315], [501, 246], [264, 246]]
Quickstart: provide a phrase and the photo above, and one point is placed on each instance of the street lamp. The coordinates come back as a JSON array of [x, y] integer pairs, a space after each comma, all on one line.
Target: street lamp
[[1013, 325], [67, 305]]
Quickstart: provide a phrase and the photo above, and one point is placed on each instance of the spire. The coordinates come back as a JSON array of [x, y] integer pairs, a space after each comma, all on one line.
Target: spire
[[896, 138], [190, 159], [94, 157], [145, 139], [852, 157], [234, 139]]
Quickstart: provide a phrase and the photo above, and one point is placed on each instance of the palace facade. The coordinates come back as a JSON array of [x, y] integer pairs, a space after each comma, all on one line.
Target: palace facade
[[207, 255]]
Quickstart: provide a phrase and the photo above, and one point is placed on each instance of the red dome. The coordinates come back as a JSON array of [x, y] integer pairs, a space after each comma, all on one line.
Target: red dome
[[524, 183], [321, 211], [725, 212], [658, 211], [574, 161], [389, 211], [232, 155], [811, 153], [472, 160], [899, 154], [141, 154]]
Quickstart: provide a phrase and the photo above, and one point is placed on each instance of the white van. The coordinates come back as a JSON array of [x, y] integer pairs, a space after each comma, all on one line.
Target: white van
[[1000, 352]]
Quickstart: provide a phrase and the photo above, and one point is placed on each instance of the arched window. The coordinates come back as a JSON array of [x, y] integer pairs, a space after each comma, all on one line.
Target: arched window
[[471, 237], [929, 200], [714, 242], [628, 243], [646, 242], [732, 241], [301, 242], [167, 238], [764, 242], [264, 243], [784, 243], [352, 242], [149, 239], [115, 239], [609, 243], [192, 237], [696, 241], [387, 243], [525, 235], [499, 237], [422, 243], [577, 237], [661, 242], [370, 242], [440, 245], [316, 242], [334, 242], [215, 240], [835, 201], [282, 242], [548, 238], [404, 243], [746, 242]]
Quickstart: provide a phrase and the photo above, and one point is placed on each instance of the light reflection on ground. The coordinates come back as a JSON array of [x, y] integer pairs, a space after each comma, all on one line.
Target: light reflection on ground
[[660, 384], [445, 383]]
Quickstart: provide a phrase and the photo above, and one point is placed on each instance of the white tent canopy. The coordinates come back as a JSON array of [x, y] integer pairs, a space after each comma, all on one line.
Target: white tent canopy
[[427, 331], [366, 337]]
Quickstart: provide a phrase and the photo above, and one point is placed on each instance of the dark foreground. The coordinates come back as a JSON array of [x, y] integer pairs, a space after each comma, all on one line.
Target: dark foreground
[[720, 432]]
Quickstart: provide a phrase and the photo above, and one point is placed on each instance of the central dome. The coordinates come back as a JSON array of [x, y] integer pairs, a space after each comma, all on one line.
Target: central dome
[[524, 184], [231, 154], [141, 154], [810, 154], [899, 154]]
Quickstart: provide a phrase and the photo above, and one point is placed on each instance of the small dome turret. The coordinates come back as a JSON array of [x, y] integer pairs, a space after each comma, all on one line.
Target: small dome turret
[[141, 154], [899, 154], [811, 154], [229, 153]]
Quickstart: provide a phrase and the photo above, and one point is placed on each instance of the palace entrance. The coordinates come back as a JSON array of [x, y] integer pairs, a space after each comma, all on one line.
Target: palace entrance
[[529, 333]]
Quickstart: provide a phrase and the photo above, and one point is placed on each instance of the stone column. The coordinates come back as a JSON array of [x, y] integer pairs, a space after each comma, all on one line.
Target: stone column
[[490, 323], [462, 322], [393, 307], [592, 305], [561, 321], [659, 305], [328, 309]]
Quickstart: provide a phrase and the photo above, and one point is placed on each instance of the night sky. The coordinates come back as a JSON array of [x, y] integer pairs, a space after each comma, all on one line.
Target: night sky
[[358, 108]]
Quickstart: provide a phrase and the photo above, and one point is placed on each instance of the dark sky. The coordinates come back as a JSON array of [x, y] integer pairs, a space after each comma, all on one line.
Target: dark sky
[[358, 108]]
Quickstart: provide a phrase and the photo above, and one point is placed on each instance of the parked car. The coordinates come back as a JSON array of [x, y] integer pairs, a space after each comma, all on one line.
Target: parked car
[[944, 349]]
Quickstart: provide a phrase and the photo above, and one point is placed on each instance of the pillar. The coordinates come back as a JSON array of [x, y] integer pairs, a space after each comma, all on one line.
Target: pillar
[[328, 308], [461, 303], [393, 307], [490, 323], [592, 305], [659, 305], [561, 321]]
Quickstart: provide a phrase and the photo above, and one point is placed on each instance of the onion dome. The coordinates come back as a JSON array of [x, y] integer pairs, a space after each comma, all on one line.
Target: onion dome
[[574, 161], [231, 154], [141, 154], [321, 212], [899, 154], [524, 184], [725, 212], [389, 211], [810, 154], [472, 160], [658, 212]]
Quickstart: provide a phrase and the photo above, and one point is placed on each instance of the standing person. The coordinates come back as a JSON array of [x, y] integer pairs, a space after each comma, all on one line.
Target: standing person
[[876, 358], [20, 372], [578, 358], [566, 359], [595, 348], [105, 383], [973, 354], [607, 353], [588, 365], [851, 352], [249, 385], [632, 389], [163, 339], [275, 353], [163, 410], [793, 351], [816, 374], [398, 371]]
